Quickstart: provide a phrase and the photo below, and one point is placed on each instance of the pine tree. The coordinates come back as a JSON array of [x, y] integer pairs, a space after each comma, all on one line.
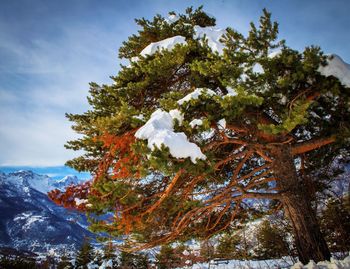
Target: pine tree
[[167, 258], [109, 253], [64, 262], [84, 256], [133, 260], [229, 247], [126, 260], [258, 125], [207, 249], [272, 241], [335, 223]]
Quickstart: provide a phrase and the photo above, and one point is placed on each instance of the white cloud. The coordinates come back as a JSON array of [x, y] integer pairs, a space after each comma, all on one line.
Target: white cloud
[[36, 138], [51, 78]]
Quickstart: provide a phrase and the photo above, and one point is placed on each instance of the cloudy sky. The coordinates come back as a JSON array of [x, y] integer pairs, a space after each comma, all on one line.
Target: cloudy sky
[[51, 50]]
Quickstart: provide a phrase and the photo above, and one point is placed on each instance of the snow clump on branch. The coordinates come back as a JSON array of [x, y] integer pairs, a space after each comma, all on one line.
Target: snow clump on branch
[[166, 44], [159, 130], [195, 94], [212, 36]]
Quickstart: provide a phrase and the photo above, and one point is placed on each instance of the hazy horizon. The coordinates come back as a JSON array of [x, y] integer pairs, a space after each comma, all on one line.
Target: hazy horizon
[[55, 172]]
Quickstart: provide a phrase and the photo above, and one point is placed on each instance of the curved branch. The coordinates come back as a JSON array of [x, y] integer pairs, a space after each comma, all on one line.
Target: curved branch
[[166, 193], [312, 145]]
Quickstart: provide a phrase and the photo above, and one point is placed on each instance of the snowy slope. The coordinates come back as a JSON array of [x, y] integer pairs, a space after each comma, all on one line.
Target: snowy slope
[[27, 179]]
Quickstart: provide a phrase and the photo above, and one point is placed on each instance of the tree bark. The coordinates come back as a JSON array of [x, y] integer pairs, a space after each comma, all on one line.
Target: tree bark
[[309, 240]]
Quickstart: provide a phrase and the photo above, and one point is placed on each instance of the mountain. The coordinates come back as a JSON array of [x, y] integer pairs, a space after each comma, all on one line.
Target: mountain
[[29, 220], [64, 182]]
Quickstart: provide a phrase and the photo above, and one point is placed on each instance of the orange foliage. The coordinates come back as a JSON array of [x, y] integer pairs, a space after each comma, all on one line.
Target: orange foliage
[[120, 155], [68, 197]]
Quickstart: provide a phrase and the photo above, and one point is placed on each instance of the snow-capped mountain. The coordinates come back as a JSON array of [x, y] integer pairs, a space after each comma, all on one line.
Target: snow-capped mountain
[[64, 182], [26, 179], [29, 220], [41, 183]]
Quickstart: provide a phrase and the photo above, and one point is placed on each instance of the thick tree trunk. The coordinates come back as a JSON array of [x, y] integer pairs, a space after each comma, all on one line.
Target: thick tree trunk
[[309, 240]]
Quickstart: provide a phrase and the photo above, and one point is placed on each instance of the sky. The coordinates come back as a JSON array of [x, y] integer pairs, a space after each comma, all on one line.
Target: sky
[[51, 50]]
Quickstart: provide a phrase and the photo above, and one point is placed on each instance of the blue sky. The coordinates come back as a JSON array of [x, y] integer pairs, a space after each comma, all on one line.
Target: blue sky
[[51, 50]]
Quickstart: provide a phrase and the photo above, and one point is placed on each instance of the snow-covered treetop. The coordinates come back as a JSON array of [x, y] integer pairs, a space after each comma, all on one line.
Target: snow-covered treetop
[[335, 65]]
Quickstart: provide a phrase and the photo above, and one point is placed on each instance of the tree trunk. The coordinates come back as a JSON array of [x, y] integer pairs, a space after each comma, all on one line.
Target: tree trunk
[[309, 240]]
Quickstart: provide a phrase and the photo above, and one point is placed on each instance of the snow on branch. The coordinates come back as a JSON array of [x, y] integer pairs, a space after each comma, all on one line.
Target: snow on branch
[[212, 36], [159, 130], [195, 94], [166, 44]]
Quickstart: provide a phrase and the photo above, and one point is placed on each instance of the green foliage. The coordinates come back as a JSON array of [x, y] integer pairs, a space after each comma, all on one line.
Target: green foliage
[[159, 29], [207, 249], [296, 116]]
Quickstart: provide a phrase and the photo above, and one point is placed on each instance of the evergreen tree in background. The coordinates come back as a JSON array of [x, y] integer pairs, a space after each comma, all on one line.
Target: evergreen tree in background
[[84, 256], [272, 241], [17, 263], [259, 124], [207, 249], [109, 253], [133, 261], [230, 247], [64, 262], [335, 224], [167, 258]]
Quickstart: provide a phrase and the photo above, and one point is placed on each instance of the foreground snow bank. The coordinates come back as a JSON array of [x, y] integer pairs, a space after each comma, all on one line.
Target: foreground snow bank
[[274, 264], [333, 264]]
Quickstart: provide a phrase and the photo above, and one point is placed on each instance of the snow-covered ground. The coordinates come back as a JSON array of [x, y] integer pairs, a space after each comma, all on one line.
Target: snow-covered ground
[[262, 264], [274, 264]]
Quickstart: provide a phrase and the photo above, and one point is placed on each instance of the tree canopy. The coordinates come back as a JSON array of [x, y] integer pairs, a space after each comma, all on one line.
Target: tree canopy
[[194, 130]]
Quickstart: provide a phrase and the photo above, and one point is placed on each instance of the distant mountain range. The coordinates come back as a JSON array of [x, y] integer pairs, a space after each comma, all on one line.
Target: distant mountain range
[[30, 221], [54, 172]]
